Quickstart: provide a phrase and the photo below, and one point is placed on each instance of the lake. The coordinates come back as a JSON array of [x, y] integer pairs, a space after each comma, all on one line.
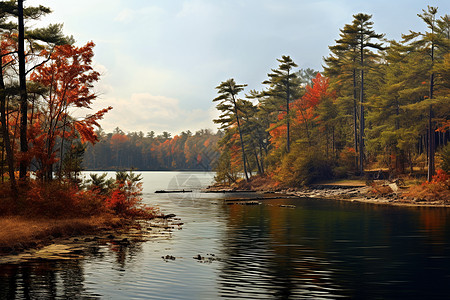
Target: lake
[[281, 249]]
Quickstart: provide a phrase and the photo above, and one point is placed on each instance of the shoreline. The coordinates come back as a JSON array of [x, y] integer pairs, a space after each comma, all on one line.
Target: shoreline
[[23, 239], [361, 193]]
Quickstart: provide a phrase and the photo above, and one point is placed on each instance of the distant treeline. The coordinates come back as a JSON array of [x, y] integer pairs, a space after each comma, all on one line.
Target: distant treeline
[[136, 150]]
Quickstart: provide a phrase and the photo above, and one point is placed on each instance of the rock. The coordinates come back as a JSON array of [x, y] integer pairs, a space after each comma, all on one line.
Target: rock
[[168, 216], [124, 241], [287, 205], [394, 187]]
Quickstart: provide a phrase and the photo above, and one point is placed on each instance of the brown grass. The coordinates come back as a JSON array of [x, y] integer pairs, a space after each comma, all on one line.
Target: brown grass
[[17, 233], [257, 183]]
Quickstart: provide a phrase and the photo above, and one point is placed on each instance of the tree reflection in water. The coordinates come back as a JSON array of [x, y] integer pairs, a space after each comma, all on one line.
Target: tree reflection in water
[[330, 249], [61, 279]]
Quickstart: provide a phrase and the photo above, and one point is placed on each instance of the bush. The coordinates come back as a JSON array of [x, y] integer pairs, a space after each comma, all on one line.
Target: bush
[[64, 199], [59, 199], [300, 169], [436, 190], [122, 196]]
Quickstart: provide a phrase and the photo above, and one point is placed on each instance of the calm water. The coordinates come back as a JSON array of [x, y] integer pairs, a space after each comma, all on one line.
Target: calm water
[[319, 249]]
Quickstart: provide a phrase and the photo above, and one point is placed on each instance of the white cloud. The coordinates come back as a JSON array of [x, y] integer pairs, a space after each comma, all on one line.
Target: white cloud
[[146, 112], [125, 16]]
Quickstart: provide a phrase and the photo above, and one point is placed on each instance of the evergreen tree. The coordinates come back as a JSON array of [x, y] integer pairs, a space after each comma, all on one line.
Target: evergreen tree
[[354, 47], [341, 67], [283, 87], [228, 104], [430, 49], [364, 35]]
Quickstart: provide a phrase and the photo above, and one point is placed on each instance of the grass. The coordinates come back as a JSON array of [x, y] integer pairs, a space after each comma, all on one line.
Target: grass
[[18, 233]]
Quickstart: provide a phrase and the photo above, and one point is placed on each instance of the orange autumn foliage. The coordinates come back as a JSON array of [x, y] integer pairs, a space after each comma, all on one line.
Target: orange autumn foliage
[[69, 77], [304, 108], [436, 190]]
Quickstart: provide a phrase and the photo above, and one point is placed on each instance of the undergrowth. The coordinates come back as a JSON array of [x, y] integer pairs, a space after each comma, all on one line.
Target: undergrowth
[[64, 199]]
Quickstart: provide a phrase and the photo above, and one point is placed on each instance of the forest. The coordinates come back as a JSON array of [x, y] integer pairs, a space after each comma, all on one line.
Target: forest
[[151, 152], [378, 105]]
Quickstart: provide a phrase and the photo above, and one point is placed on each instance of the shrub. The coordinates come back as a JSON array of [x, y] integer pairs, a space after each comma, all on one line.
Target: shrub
[[124, 198], [300, 169], [59, 199], [437, 189]]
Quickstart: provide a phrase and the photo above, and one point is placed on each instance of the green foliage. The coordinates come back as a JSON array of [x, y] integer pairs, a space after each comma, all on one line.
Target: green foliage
[[225, 173], [303, 167], [445, 157], [374, 108], [72, 162], [100, 184]]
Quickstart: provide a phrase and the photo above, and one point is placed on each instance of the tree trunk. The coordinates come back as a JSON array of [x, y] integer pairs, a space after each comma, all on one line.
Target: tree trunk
[[361, 126], [355, 114], [288, 145], [23, 94], [6, 138], [255, 153], [244, 160], [261, 153], [431, 142], [430, 147], [361, 116]]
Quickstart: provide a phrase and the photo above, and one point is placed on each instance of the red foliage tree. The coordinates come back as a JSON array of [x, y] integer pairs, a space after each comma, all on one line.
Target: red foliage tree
[[68, 77]]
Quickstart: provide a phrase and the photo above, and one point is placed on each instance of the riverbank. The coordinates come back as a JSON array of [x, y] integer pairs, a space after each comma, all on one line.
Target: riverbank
[[364, 194], [375, 192], [23, 238], [19, 233]]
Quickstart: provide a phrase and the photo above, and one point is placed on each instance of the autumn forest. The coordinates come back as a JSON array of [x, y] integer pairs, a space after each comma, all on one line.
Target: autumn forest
[[323, 182], [377, 105]]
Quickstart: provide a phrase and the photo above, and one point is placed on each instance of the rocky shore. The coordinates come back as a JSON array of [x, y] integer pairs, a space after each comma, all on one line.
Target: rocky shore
[[381, 192], [363, 194]]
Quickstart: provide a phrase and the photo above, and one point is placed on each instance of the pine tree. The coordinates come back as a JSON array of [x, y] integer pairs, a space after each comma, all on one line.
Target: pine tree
[[354, 47], [283, 88], [228, 104], [432, 47]]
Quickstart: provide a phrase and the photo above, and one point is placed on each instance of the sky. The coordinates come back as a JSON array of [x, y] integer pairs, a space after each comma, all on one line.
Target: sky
[[161, 60]]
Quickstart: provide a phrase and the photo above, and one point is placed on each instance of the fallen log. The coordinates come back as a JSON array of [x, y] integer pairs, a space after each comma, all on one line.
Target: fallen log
[[172, 191]]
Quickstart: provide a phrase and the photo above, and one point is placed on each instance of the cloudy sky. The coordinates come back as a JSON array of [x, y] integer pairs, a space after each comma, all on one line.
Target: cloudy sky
[[161, 60]]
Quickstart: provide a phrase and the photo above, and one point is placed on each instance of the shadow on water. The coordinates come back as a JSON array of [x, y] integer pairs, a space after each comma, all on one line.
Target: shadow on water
[[43, 280], [62, 278], [329, 249]]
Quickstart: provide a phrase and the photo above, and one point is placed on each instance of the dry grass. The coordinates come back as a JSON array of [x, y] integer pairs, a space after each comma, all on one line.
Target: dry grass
[[344, 182], [257, 183], [17, 233]]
